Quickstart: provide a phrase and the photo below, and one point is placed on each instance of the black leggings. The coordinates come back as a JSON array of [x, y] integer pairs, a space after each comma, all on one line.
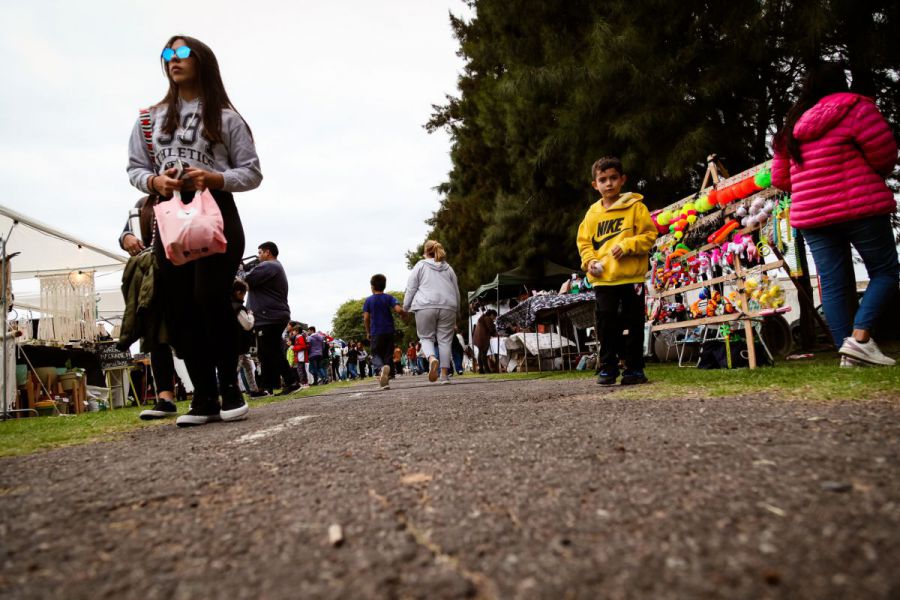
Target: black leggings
[[197, 305], [163, 367]]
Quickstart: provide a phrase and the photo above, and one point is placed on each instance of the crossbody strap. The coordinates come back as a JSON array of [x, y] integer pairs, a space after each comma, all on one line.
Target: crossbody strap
[[147, 131]]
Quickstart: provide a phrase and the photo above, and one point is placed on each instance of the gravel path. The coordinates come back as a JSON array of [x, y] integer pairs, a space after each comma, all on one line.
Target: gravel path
[[517, 489]]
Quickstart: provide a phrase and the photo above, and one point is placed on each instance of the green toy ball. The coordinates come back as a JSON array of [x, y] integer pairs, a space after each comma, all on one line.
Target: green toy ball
[[702, 204], [678, 235], [692, 219], [763, 179]]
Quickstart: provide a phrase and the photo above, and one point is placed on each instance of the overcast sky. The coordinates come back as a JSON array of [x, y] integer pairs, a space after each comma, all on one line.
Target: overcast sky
[[336, 94]]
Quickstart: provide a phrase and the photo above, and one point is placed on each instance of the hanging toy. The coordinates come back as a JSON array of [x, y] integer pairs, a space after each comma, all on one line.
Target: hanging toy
[[723, 232]]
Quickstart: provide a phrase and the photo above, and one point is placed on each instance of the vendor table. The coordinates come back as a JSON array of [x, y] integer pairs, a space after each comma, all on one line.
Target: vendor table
[[527, 313]]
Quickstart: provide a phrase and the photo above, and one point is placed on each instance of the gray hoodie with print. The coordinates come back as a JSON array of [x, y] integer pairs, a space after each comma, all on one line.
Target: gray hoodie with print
[[235, 158], [431, 285]]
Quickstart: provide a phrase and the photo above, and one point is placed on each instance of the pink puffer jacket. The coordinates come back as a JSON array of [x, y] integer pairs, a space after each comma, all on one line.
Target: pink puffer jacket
[[848, 149]]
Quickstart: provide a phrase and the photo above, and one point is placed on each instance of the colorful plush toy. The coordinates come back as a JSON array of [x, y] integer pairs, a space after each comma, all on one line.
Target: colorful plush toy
[[723, 232]]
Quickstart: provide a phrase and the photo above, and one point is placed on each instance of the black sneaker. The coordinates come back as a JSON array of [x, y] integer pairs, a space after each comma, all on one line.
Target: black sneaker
[[161, 410], [633, 377], [607, 377], [196, 416], [259, 394], [289, 389], [200, 413], [234, 407]]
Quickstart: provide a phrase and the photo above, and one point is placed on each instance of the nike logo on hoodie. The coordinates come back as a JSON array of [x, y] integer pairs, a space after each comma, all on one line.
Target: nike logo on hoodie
[[611, 227]]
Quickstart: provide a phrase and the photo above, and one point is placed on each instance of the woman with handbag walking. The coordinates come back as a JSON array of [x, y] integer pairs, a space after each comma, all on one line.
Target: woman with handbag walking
[[197, 126], [432, 293]]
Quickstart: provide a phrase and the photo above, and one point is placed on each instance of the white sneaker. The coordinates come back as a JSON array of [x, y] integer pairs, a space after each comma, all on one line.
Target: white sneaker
[[433, 367], [385, 375], [851, 363], [444, 381], [866, 352]]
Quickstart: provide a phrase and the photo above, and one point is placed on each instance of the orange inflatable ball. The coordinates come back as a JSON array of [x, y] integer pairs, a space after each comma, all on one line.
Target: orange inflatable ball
[[713, 198]]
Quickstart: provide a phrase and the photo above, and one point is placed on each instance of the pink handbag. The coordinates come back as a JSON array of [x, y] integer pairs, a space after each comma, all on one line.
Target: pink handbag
[[190, 231]]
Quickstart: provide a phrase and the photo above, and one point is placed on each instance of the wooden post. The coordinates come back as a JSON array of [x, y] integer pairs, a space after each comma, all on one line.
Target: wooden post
[[748, 326]]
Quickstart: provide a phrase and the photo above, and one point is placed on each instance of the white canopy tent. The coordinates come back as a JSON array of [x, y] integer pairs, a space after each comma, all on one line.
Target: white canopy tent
[[35, 249]]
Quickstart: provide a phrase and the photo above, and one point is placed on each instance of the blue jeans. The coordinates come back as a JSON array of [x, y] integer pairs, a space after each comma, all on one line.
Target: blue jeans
[[873, 239], [351, 369]]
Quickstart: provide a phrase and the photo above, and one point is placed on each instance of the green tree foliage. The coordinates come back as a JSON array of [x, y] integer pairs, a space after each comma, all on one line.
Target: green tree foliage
[[550, 86], [348, 322]]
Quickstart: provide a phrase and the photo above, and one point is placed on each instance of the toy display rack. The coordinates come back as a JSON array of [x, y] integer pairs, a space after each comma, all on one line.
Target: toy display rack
[[739, 276]]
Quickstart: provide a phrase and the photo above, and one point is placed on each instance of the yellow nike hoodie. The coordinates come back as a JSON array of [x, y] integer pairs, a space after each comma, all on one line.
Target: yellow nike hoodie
[[626, 223]]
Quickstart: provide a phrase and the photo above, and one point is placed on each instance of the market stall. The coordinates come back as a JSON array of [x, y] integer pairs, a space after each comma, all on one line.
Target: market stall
[[710, 269], [57, 324]]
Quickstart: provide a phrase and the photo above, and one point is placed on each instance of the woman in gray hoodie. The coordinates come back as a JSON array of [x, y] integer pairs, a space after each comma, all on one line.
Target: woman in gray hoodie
[[432, 293]]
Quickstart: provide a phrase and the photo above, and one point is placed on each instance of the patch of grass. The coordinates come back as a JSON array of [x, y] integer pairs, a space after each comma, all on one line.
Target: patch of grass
[[26, 436], [811, 379]]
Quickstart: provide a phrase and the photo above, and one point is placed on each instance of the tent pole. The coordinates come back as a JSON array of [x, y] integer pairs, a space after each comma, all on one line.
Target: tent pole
[[495, 328]]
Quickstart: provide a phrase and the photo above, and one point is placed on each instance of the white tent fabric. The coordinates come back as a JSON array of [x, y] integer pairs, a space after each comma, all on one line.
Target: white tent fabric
[[44, 250], [39, 249]]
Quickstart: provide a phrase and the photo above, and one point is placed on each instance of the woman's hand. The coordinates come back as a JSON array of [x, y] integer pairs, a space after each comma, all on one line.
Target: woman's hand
[[131, 244], [198, 179], [165, 184]]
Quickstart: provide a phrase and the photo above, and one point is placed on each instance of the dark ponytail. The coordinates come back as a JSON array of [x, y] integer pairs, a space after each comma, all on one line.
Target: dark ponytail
[[821, 80]]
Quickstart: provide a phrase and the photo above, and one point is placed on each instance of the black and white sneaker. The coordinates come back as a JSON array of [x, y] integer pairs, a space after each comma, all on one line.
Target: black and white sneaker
[[197, 416], [289, 389], [200, 414], [161, 410], [233, 406]]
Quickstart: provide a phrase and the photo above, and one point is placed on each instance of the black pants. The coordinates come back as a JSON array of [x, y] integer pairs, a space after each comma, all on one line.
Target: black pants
[[483, 365], [163, 366], [272, 359], [628, 297], [382, 352], [197, 307]]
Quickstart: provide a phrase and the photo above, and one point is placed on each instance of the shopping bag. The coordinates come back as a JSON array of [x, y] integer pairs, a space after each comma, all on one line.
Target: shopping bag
[[190, 231]]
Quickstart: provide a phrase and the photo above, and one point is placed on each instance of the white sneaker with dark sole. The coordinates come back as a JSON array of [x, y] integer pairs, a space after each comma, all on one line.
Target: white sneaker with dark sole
[[163, 409], [384, 377], [867, 352]]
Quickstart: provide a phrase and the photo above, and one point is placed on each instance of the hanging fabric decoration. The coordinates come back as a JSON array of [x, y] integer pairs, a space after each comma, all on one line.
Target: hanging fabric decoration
[[67, 307]]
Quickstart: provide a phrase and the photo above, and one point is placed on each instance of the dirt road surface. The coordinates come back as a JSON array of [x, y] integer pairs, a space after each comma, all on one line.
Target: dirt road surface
[[489, 489]]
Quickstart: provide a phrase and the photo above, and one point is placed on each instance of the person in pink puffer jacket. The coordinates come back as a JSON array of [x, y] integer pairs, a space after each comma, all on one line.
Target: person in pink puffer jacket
[[833, 154]]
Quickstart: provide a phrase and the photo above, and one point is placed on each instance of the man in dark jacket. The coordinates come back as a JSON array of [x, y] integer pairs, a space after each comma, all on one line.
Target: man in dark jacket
[[268, 302]]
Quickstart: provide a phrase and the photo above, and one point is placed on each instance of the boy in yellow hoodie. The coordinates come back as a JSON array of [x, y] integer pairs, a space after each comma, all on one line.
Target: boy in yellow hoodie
[[614, 241]]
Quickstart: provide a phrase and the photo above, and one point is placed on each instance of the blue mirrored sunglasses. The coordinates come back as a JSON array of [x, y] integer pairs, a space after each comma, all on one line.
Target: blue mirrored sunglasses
[[181, 52]]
